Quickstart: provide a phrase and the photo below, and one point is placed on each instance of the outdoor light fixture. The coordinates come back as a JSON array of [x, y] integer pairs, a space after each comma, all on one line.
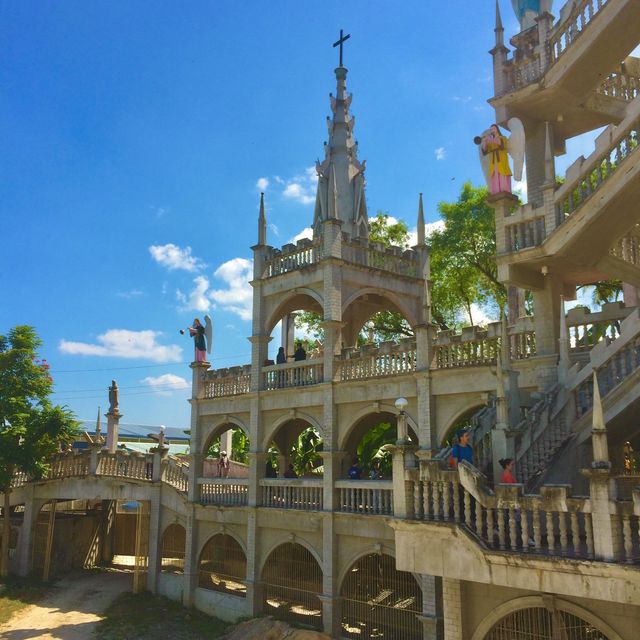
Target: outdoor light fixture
[[403, 435], [401, 404]]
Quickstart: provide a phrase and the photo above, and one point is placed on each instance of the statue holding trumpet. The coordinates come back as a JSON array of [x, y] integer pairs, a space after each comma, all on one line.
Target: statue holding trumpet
[[202, 338]]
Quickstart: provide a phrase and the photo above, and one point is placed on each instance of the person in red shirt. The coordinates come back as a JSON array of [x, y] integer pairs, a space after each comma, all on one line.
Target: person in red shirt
[[507, 476]]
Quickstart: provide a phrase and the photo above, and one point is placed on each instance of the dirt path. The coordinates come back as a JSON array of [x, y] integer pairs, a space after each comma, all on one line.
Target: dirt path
[[70, 611]]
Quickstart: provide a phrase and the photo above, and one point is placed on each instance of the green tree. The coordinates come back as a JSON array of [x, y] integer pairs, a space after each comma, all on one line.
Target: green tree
[[31, 428]]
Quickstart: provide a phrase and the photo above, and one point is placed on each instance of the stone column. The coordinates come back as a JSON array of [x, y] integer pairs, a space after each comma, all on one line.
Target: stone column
[[257, 463], [113, 428], [431, 618], [254, 586], [333, 464], [190, 557], [155, 542], [452, 609], [226, 442], [331, 610], [607, 539], [288, 334], [546, 310], [259, 354], [32, 508], [403, 457]]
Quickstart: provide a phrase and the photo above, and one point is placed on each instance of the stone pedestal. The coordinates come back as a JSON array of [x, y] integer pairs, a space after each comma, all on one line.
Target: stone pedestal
[[403, 457], [606, 526], [113, 429]]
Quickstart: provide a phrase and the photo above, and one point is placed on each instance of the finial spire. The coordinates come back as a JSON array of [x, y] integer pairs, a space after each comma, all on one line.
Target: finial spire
[[98, 424], [421, 237], [598, 430], [340, 42], [262, 223], [499, 30]]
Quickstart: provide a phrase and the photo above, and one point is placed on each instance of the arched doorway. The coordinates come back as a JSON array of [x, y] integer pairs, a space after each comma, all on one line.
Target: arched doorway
[[292, 582], [223, 566], [539, 623], [380, 602], [173, 545]]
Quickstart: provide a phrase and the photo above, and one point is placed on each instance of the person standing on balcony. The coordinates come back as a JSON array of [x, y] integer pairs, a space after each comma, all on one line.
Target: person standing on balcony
[[281, 358], [300, 353], [461, 451], [223, 465], [355, 472], [507, 476]]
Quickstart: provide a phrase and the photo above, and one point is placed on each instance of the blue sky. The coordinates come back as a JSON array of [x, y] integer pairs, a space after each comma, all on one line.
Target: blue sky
[[137, 136]]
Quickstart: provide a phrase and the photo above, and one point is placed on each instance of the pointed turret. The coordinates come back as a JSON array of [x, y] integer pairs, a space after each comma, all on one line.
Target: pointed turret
[[340, 193], [599, 430], [421, 238], [262, 223], [499, 30]]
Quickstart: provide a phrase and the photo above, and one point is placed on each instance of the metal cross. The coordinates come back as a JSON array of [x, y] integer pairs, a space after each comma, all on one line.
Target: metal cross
[[340, 42]]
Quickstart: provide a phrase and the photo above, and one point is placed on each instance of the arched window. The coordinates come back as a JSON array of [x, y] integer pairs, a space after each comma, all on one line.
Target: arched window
[[173, 544], [378, 601], [292, 580], [223, 566], [538, 623]]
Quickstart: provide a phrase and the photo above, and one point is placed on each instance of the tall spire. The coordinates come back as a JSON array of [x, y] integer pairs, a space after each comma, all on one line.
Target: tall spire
[[262, 223], [421, 238], [499, 30], [598, 430], [341, 182]]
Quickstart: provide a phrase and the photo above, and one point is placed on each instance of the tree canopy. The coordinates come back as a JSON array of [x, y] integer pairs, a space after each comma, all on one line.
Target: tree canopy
[[31, 427]]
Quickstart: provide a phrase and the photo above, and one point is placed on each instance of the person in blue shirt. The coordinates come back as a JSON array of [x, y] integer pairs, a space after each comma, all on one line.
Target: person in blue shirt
[[461, 451]]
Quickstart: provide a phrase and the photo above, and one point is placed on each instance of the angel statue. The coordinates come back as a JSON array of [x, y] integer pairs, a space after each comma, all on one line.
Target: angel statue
[[202, 338], [528, 10], [495, 148]]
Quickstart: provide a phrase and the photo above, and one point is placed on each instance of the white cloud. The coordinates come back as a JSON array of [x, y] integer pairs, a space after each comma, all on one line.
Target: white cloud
[[262, 184], [122, 343], [302, 188], [174, 257], [480, 316], [440, 153], [520, 188], [197, 299], [429, 228], [127, 295], [163, 385], [307, 232], [274, 229], [238, 296]]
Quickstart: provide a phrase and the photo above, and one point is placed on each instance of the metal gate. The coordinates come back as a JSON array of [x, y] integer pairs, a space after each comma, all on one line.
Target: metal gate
[[223, 566], [538, 623], [173, 545], [292, 582], [380, 602]]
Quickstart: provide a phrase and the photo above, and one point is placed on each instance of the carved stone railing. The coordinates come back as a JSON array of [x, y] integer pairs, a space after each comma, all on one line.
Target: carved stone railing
[[293, 374], [302, 493], [474, 346], [524, 229], [74, 464], [551, 523], [586, 176], [230, 492], [231, 381], [138, 466], [586, 329], [372, 361], [377, 256], [569, 30], [523, 72], [372, 497], [627, 248], [291, 257], [620, 85], [175, 474]]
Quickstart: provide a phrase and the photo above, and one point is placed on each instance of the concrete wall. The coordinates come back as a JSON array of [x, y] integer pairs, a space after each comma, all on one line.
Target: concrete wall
[[221, 605]]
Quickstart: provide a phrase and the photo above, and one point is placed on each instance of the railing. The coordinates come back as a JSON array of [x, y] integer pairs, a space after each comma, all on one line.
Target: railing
[[392, 259], [629, 532], [223, 491], [628, 248], [176, 475], [620, 85], [293, 374], [522, 344], [552, 523], [525, 234], [454, 351], [520, 73], [572, 28], [482, 423], [304, 494], [125, 465], [291, 258], [372, 497], [596, 170], [68, 465], [389, 359], [230, 385]]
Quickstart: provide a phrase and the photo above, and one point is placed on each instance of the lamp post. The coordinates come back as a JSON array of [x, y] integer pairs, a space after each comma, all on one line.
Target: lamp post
[[403, 434]]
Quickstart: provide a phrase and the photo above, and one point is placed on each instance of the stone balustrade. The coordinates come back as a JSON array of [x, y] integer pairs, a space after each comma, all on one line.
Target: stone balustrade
[[137, 466], [72, 464], [175, 474], [373, 361], [372, 497], [523, 72], [568, 31], [299, 493], [474, 346], [586, 329], [230, 492], [375, 255], [291, 257], [229, 381], [620, 85], [586, 176], [293, 374], [525, 228], [627, 248]]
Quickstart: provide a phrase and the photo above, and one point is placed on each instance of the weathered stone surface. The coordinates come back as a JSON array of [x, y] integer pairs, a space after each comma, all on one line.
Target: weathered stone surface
[[270, 629]]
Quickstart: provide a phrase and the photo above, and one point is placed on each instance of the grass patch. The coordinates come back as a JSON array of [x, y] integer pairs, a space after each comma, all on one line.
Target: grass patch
[[148, 617], [17, 594]]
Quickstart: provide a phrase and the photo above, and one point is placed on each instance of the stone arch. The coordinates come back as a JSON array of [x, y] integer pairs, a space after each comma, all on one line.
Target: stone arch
[[529, 602], [378, 600], [352, 432], [380, 547], [218, 428], [290, 538], [468, 410], [277, 424], [172, 548], [222, 564], [301, 298], [292, 584], [225, 531]]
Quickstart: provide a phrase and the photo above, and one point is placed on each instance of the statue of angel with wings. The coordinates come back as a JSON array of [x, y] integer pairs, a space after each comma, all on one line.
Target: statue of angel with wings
[[202, 338], [495, 148]]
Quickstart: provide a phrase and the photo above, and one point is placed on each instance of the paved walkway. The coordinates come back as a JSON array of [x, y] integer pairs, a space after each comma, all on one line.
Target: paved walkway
[[71, 610]]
